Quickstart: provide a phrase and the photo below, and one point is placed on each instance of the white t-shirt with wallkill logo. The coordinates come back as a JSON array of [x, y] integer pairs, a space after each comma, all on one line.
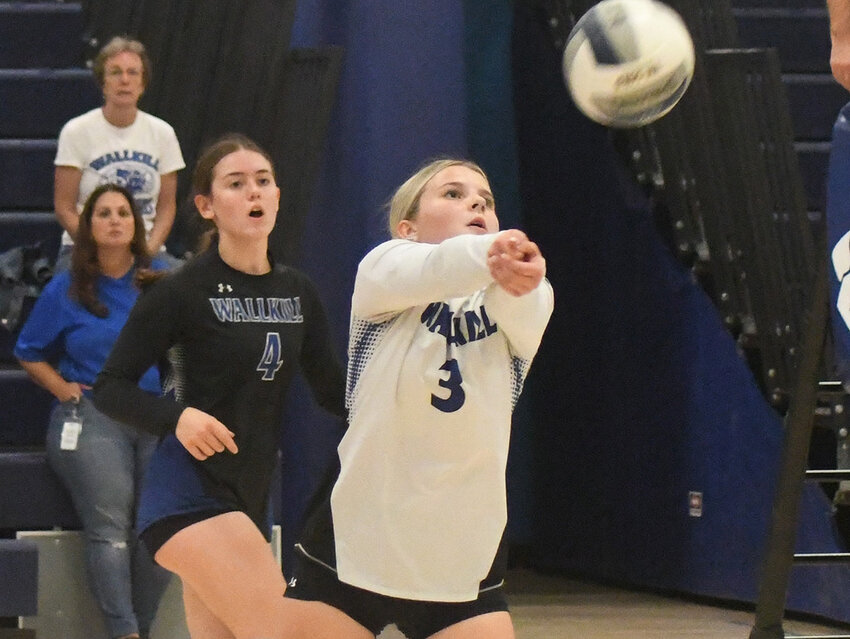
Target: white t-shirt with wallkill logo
[[438, 354], [134, 156]]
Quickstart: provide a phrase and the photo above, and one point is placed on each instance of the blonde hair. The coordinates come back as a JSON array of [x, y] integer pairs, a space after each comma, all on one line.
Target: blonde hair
[[120, 44], [404, 204]]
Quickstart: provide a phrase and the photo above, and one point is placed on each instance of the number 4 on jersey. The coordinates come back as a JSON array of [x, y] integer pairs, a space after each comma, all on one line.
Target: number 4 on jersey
[[271, 360]]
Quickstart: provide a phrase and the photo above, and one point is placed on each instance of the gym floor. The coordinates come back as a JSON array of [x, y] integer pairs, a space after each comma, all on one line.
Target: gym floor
[[545, 607]]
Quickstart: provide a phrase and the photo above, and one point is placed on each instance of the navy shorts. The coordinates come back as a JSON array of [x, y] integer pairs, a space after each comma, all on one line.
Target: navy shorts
[[155, 535], [313, 580]]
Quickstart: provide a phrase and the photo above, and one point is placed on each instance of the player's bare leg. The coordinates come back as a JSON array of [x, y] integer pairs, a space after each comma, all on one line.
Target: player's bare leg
[[200, 620], [227, 565], [493, 625]]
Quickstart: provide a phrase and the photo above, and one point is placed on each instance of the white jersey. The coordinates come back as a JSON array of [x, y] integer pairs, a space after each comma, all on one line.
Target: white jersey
[[134, 156], [437, 357]]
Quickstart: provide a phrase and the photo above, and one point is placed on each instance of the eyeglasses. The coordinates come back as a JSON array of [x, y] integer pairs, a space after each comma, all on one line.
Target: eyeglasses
[[116, 72]]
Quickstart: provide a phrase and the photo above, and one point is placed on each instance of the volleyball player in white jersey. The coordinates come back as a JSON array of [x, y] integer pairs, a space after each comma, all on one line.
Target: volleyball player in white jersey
[[446, 318]]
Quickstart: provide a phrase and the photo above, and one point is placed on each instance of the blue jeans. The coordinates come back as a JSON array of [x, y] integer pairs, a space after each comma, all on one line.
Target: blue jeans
[[103, 475]]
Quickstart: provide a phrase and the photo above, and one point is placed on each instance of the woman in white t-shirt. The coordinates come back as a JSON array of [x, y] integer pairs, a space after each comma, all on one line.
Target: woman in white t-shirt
[[121, 144]]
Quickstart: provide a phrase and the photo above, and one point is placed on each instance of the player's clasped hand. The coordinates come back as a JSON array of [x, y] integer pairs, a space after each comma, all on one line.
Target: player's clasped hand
[[203, 435], [515, 262]]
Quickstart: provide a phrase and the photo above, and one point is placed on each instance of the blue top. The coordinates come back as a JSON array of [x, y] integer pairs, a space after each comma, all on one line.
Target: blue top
[[60, 327]]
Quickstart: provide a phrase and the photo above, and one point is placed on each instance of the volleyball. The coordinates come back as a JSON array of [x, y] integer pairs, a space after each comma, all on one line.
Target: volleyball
[[628, 62]]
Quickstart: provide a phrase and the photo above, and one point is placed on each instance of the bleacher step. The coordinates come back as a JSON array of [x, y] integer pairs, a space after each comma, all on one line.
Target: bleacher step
[[27, 170], [814, 100], [33, 496], [772, 4], [21, 228], [26, 407], [813, 159], [35, 103], [35, 34], [800, 35]]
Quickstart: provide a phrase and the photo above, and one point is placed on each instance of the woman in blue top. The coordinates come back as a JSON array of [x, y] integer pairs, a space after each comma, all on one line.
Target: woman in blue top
[[101, 461]]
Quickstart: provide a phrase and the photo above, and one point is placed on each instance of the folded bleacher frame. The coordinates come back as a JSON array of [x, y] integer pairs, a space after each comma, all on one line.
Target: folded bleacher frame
[[722, 176]]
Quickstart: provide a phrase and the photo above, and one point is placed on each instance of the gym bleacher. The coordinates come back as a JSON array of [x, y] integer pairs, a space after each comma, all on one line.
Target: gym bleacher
[[43, 82]]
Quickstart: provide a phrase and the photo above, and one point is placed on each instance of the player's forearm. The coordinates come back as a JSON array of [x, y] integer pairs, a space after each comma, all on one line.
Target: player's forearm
[[143, 342], [839, 17], [122, 399], [523, 319], [398, 275]]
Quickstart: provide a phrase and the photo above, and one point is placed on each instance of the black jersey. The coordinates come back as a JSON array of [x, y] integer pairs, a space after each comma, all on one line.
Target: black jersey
[[233, 342]]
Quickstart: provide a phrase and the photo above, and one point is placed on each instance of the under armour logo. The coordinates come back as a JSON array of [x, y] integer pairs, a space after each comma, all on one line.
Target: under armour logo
[[292, 582], [224, 287]]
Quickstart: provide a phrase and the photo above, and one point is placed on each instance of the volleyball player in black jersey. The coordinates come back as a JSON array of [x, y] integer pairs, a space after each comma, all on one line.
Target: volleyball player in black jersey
[[234, 326]]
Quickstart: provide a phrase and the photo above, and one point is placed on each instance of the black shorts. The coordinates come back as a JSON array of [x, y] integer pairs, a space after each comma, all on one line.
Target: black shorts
[[313, 580], [155, 535]]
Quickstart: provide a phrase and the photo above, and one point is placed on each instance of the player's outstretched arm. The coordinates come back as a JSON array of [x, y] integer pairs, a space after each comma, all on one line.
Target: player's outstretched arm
[[521, 302]]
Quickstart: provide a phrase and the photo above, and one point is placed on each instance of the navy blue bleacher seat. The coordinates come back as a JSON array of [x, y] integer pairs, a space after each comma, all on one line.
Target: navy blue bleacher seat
[[26, 407], [796, 34], [813, 159], [18, 577], [35, 103], [21, 228], [27, 170], [33, 497], [813, 101], [774, 4], [52, 48]]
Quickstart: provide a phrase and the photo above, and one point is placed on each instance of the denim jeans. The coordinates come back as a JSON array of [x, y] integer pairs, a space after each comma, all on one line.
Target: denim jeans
[[104, 475]]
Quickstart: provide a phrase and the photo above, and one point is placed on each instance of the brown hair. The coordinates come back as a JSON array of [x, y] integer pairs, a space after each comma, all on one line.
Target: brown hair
[[120, 44], [404, 204], [85, 268], [202, 176]]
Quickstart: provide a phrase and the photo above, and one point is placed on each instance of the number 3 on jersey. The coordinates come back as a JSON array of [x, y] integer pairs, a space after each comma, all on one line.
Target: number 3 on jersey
[[271, 360], [457, 396]]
